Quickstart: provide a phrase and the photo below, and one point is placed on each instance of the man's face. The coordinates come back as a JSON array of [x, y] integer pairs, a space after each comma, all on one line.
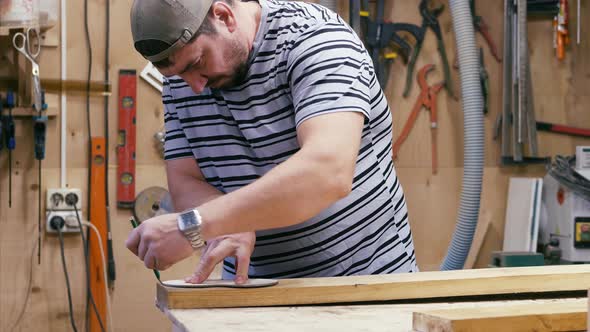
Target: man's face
[[216, 61]]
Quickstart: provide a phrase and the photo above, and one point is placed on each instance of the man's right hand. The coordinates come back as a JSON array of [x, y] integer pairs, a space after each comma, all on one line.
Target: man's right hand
[[239, 245]]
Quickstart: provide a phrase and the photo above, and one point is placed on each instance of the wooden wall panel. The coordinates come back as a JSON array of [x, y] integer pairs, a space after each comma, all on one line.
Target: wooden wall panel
[[561, 95]]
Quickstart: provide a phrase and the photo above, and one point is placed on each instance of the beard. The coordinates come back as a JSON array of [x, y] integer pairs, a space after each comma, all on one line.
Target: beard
[[237, 54]]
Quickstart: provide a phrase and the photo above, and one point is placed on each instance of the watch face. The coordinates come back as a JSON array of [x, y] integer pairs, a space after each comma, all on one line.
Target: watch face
[[189, 220]]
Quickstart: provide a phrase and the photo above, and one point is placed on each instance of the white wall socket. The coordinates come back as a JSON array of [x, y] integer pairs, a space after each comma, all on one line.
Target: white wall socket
[[56, 199], [71, 222]]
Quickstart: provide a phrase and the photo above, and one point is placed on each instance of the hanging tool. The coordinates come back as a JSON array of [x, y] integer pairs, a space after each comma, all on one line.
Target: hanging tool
[[97, 218], [382, 39], [578, 24], [10, 139], [563, 129], [562, 31], [152, 202], [29, 45], [545, 9], [2, 138], [39, 132], [484, 81], [426, 100], [482, 27], [430, 20], [516, 123], [126, 141]]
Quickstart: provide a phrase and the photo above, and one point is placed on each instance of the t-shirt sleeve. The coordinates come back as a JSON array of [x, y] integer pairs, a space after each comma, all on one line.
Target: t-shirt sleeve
[[176, 145], [329, 71]]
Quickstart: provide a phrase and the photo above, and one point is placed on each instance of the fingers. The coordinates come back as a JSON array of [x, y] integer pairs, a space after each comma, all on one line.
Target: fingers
[[208, 262], [133, 241], [150, 259], [142, 249], [242, 265]]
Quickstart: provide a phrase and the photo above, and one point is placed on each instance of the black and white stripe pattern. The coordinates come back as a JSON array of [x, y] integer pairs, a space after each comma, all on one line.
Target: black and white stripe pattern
[[305, 62]]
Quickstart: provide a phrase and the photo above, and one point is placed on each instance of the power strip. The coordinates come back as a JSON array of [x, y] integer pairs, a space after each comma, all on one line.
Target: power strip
[[70, 225], [56, 199], [56, 207]]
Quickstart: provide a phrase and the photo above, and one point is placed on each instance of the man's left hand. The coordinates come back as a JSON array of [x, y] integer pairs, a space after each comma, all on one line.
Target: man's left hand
[[159, 243]]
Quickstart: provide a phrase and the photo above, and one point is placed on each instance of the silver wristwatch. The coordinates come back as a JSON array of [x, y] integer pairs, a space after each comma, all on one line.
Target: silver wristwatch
[[189, 223]]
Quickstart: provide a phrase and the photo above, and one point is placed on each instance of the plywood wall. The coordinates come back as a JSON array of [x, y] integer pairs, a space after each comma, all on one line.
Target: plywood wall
[[561, 93]]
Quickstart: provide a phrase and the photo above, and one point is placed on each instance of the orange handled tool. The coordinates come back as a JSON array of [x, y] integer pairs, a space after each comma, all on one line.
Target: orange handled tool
[[426, 100]]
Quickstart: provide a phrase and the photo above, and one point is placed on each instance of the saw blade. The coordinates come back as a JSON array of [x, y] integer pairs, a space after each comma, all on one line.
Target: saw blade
[[151, 202]]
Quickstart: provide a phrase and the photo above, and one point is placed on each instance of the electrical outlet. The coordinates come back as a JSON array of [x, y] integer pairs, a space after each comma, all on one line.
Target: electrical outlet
[[70, 224], [56, 199]]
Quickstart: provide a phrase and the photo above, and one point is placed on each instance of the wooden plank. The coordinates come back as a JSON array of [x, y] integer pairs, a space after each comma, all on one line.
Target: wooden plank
[[520, 317], [384, 287], [336, 318], [480, 233]]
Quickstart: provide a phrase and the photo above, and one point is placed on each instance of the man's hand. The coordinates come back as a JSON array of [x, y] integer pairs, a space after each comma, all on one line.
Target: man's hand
[[159, 243], [240, 245]]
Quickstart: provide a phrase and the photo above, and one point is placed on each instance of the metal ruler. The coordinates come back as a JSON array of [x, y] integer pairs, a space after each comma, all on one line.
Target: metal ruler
[[126, 139]]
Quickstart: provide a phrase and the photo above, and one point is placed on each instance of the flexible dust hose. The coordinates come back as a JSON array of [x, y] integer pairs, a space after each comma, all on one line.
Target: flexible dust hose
[[473, 154], [330, 4]]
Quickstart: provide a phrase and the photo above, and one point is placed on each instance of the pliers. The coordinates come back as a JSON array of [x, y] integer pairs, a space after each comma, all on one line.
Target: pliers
[[426, 100], [430, 20]]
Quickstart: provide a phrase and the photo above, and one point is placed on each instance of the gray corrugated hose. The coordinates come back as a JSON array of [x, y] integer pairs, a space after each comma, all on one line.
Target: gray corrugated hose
[[473, 136], [330, 4]]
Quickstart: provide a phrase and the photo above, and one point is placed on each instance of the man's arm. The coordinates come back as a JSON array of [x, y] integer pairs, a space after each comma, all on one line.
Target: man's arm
[[315, 177], [319, 174], [187, 184]]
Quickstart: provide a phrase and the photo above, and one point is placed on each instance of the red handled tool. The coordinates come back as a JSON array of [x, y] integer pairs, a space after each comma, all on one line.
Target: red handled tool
[[427, 100], [561, 129]]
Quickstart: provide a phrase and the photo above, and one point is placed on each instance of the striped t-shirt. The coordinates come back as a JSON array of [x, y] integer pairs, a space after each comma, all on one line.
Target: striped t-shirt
[[305, 62]]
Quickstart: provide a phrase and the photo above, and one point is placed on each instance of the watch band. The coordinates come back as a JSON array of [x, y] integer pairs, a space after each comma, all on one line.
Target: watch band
[[189, 223]]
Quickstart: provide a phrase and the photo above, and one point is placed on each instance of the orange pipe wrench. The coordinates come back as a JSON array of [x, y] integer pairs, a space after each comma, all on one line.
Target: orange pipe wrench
[[426, 100]]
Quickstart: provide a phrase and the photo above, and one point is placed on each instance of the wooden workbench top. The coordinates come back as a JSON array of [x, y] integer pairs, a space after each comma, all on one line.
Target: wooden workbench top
[[397, 317]]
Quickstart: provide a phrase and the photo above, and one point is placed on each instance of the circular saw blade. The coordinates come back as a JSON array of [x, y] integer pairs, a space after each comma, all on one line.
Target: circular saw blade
[[152, 202]]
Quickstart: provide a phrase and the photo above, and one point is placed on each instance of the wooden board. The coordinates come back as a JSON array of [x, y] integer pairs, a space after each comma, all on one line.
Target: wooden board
[[537, 317], [384, 287], [523, 207], [333, 318]]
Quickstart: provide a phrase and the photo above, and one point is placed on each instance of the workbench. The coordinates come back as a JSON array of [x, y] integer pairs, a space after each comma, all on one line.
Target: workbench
[[551, 298], [338, 318]]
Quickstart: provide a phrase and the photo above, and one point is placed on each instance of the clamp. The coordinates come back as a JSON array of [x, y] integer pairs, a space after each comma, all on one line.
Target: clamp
[[380, 35], [430, 20], [426, 100]]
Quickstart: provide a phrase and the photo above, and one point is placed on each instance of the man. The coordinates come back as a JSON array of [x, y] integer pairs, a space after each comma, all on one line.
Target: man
[[275, 123]]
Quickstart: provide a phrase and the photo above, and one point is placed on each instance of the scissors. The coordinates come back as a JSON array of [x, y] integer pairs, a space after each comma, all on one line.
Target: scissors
[[29, 45]]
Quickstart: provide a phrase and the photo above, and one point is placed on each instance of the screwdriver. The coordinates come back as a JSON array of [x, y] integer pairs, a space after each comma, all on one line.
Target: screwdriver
[[39, 130], [10, 140]]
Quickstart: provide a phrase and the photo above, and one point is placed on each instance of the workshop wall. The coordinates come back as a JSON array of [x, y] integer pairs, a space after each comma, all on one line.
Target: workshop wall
[[561, 91]]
